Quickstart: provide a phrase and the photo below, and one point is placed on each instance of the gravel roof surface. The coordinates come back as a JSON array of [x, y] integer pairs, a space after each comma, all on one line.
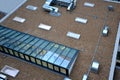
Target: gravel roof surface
[[97, 17]]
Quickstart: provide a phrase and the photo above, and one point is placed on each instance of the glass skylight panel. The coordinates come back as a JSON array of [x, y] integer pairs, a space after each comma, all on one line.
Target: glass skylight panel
[[65, 63], [54, 48], [18, 37], [47, 55], [54, 56], [72, 53], [34, 47], [65, 52], [49, 46]]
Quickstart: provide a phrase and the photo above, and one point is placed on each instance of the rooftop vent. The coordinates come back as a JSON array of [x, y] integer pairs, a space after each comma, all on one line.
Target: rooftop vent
[[110, 8], [95, 66]]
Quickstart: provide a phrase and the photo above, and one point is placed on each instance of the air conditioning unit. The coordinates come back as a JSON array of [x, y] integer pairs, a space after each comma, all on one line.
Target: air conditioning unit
[[95, 66], [3, 77]]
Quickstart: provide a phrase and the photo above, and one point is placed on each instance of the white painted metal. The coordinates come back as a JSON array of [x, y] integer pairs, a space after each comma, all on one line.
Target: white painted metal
[[31, 7], [87, 4], [19, 19], [95, 67], [44, 26], [73, 35], [81, 20]]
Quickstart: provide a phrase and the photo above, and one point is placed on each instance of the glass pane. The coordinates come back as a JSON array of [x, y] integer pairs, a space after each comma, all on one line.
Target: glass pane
[[49, 46], [32, 59], [62, 56], [60, 50], [62, 70], [47, 55], [56, 68], [59, 60], [72, 53], [5, 50], [54, 48], [25, 48], [21, 55], [53, 58], [44, 44], [65, 63], [50, 66], [65, 52], [42, 53], [44, 63], [36, 52], [11, 52], [27, 58], [29, 39], [38, 61], [16, 53]]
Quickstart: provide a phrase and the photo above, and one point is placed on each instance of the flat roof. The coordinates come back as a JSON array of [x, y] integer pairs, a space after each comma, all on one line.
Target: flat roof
[[60, 26]]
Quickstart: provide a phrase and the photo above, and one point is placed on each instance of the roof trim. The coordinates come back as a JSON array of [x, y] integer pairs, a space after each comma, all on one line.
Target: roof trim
[[113, 63], [112, 1]]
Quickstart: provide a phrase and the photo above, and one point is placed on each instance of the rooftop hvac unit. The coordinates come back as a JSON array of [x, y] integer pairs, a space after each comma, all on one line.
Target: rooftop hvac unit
[[110, 8], [3, 77], [95, 67], [105, 31], [81, 20]]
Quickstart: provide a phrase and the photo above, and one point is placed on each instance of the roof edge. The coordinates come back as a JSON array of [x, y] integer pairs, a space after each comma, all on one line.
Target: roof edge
[[113, 63], [112, 1]]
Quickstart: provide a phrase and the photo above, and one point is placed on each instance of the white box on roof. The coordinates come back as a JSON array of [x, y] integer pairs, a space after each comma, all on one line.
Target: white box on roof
[[73, 35], [87, 4], [31, 7], [95, 67], [19, 19], [10, 71], [81, 20], [44, 26]]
